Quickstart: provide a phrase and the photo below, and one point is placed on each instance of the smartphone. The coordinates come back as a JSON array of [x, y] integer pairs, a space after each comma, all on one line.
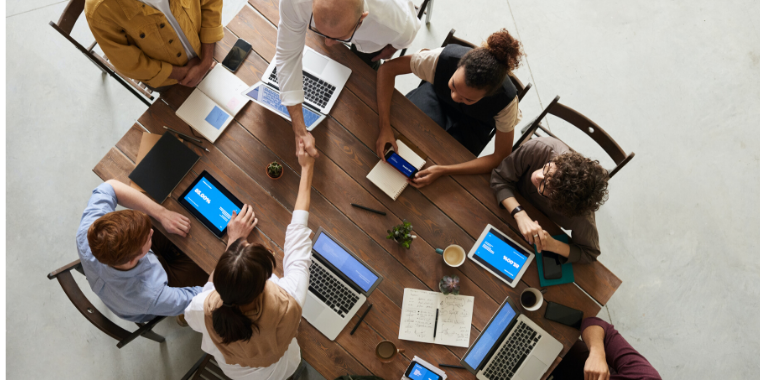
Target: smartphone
[[417, 371], [236, 56], [552, 267], [563, 314], [400, 164]]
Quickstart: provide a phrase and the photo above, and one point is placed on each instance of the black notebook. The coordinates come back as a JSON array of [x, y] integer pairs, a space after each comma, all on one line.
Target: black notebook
[[164, 167]]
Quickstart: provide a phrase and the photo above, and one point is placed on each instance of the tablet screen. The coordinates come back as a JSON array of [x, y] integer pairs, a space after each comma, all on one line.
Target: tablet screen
[[209, 201], [271, 98], [497, 253]]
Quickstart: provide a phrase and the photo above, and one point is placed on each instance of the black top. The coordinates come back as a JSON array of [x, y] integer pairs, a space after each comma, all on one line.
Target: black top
[[164, 167]]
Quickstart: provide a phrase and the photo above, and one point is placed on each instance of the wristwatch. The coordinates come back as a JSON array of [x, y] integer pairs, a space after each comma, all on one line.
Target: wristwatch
[[516, 210]]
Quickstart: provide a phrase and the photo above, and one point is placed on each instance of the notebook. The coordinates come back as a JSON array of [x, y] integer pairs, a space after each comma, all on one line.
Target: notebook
[[418, 318], [163, 167], [567, 268], [147, 141], [213, 104], [390, 180]]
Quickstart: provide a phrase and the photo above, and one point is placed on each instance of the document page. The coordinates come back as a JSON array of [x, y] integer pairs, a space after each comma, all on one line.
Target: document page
[[418, 318]]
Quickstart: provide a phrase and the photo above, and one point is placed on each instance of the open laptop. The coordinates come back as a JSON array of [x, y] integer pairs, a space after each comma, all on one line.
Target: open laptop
[[511, 347], [323, 80], [339, 284]]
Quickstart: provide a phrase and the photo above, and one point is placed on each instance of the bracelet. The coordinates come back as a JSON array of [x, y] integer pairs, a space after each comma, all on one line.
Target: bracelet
[[516, 210]]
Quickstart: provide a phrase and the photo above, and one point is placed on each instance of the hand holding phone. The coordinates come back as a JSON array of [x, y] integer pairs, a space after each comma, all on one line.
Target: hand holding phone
[[417, 371], [400, 164]]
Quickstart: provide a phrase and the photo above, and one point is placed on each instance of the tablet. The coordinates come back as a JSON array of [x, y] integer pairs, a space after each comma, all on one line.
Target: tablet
[[269, 98], [500, 255], [211, 203]]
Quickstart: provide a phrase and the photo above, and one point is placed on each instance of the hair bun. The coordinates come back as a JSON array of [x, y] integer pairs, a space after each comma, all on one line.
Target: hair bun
[[505, 48]]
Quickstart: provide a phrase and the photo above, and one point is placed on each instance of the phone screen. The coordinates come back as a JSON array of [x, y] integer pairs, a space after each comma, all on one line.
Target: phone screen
[[418, 372], [400, 164], [237, 55]]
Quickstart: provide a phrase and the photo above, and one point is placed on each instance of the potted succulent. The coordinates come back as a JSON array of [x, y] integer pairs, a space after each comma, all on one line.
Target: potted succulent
[[274, 170], [449, 285], [402, 234]]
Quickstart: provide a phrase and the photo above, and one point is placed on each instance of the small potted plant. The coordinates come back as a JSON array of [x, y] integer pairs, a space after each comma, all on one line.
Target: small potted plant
[[274, 170], [402, 234], [449, 285]]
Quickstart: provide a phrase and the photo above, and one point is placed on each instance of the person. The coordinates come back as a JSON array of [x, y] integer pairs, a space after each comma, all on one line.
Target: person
[[603, 355], [248, 316], [561, 183], [158, 42], [375, 27], [115, 250], [466, 91]]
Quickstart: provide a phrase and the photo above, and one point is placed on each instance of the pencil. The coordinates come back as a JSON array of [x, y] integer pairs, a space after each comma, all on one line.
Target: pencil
[[184, 135], [195, 143], [361, 319], [368, 209], [451, 366]]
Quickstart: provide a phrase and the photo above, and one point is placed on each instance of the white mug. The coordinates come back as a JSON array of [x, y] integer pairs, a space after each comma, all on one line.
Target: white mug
[[459, 251], [539, 299]]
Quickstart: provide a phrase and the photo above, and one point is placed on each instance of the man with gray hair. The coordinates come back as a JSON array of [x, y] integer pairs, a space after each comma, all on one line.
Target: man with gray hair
[[375, 28]]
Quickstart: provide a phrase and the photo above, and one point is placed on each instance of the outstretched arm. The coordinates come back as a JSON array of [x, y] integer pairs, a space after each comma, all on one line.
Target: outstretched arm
[[386, 79], [129, 197]]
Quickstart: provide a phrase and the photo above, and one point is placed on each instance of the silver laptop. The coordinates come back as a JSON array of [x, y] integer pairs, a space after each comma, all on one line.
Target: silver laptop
[[339, 284], [511, 347]]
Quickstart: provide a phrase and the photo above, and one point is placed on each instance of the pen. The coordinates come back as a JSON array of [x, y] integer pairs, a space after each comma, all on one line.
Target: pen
[[184, 135], [451, 366], [435, 328], [361, 319], [368, 209], [196, 144]]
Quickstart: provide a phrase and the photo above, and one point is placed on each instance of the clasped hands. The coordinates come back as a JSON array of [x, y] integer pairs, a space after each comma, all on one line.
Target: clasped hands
[[193, 72], [534, 234]]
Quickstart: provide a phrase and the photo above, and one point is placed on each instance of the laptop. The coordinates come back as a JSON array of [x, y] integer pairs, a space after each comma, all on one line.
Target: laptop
[[339, 284], [323, 80], [511, 347]]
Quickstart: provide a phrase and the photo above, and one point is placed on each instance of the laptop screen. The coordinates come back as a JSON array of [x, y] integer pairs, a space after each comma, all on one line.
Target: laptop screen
[[345, 262], [271, 98], [500, 255], [490, 336]]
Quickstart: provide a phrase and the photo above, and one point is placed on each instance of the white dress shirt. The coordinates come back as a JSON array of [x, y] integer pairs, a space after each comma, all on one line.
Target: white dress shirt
[[295, 281], [390, 22]]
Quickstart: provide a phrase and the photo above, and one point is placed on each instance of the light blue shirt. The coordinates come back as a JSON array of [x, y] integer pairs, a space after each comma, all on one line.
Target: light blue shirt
[[139, 294]]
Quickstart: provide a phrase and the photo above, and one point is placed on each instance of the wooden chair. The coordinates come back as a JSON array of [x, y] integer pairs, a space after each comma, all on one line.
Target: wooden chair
[[427, 9], [205, 368], [65, 25], [584, 124], [72, 290]]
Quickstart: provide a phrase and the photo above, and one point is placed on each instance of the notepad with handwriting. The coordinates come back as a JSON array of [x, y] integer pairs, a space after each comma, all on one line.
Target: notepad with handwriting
[[418, 322], [213, 104], [390, 180]]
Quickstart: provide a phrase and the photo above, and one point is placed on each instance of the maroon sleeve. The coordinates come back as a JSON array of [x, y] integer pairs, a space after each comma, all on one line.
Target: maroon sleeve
[[623, 360]]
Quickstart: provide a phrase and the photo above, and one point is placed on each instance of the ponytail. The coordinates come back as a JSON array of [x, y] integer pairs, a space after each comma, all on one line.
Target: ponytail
[[487, 67], [239, 278]]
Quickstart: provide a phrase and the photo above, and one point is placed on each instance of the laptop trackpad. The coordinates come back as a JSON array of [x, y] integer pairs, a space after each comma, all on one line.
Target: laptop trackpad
[[532, 369], [313, 62]]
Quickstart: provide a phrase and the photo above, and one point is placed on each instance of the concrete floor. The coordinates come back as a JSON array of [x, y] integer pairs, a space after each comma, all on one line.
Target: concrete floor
[[673, 81]]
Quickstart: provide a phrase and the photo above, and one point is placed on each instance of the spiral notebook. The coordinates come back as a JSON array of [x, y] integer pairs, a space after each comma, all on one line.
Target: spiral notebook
[[390, 180]]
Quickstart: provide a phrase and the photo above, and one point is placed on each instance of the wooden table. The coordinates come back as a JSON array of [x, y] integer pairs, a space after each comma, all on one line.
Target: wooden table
[[454, 210]]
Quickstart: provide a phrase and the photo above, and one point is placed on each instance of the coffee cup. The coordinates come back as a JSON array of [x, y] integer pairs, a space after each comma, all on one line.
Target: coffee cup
[[531, 299], [453, 255], [386, 351]]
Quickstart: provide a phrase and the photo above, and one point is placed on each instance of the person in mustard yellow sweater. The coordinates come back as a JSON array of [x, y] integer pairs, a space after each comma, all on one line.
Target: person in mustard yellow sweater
[[158, 42]]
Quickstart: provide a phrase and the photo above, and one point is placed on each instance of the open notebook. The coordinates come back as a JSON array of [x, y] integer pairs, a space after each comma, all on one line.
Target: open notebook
[[390, 180], [213, 104], [419, 322]]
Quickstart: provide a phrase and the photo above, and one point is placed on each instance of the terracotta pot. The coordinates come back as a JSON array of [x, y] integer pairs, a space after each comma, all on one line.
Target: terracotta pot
[[266, 170]]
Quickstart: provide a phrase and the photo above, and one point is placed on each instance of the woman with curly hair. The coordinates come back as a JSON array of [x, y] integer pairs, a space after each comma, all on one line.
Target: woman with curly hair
[[562, 184], [466, 91]]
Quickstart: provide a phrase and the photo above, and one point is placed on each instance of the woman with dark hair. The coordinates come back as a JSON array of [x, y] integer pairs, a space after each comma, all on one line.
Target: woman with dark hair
[[561, 183], [248, 316], [466, 91]]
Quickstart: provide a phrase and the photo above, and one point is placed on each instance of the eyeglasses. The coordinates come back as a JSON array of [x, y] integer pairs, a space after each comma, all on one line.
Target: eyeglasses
[[314, 29], [542, 184]]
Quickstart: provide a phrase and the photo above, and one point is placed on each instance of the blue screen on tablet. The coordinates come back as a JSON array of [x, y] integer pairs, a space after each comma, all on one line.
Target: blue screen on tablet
[[419, 372], [498, 254], [211, 203], [271, 98]]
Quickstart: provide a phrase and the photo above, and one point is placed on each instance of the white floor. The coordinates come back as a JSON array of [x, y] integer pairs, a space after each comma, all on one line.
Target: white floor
[[674, 81]]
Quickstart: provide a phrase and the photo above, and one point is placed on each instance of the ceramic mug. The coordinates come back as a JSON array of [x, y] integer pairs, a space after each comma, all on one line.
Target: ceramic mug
[[386, 351], [531, 294], [453, 255]]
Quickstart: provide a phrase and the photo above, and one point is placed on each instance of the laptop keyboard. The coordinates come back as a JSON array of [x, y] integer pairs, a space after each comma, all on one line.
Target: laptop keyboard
[[315, 90], [513, 353], [332, 292]]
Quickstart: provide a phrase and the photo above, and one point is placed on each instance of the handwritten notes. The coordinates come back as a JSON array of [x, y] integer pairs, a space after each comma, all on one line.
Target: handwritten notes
[[418, 318]]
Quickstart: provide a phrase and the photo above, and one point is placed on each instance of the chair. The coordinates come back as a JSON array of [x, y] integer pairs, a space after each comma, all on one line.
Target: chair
[[70, 287], [205, 368], [425, 8], [584, 124], [65, 25]]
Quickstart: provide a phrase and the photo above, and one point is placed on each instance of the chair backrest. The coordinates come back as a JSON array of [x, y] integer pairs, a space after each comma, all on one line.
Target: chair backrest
[[584, 124], [451, 39], [205, 368]]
